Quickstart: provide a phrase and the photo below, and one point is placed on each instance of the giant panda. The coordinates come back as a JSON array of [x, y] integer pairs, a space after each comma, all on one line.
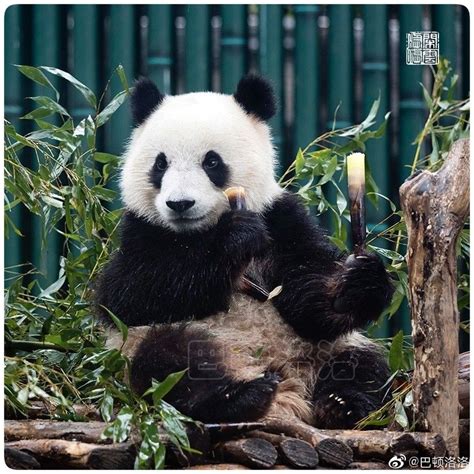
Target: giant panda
[[176, 279]]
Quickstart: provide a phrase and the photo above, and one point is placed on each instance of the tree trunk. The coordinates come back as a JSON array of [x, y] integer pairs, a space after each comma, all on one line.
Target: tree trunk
[[435, 207]]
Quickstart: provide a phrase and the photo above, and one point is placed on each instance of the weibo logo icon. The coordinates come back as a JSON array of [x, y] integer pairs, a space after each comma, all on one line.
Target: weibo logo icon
[[397, 461]]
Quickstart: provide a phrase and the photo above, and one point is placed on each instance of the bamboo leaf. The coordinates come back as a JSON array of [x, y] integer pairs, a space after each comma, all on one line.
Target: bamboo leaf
[[122, 327], [54, 288], [104, 116], [299, 161], [82, 88], [36, 75], [159, 389], [395, 355]]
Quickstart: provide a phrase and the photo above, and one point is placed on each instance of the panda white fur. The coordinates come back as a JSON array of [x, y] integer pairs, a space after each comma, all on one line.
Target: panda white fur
[[175, 281]]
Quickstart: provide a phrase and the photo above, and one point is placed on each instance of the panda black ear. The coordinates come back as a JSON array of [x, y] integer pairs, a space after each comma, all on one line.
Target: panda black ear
[[145, 98], [255, 94]]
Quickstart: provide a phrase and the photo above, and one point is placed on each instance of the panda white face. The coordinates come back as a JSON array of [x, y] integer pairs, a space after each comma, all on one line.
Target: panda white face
[[187, 151]]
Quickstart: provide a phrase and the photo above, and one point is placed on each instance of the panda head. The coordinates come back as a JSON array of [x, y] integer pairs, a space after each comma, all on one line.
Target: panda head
[[187, 149]]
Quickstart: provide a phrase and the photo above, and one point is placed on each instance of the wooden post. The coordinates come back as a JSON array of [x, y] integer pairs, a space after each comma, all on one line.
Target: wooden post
[[435, 207]]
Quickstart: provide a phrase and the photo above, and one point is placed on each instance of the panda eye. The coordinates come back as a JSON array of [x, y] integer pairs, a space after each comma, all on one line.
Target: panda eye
[[160, 163], [212, 160]]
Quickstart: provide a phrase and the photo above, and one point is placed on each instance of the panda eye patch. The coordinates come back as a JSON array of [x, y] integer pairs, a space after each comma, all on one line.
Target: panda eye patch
[[215, 168], [160, 162], [158, 170], [211, 160]]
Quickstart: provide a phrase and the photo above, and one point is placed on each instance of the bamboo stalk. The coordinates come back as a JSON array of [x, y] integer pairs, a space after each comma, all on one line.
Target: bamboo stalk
[[356, 185]]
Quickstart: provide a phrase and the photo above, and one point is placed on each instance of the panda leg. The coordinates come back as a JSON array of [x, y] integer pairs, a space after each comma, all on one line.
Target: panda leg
[[350, 385], [206, 392]]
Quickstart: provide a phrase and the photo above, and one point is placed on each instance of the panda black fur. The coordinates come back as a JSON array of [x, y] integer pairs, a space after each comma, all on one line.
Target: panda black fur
[[175, 279]]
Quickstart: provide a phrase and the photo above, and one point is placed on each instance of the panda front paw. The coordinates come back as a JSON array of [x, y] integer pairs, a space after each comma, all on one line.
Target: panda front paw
[[248, 401], [364, 288], [247, 234]]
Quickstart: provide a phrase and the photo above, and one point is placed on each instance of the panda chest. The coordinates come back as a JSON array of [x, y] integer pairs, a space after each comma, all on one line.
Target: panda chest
[[253, 333]]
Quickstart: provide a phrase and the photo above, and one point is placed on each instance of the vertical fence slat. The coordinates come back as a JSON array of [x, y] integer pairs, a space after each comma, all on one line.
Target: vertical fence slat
[[340, 87], [160, 46], [306, 75], [271, 65], [444, 21], [85, 58], [14, 96], [412, 112], [340, 90], [121, 49], [47, 26], [84, 63], [233, 46], [465, 44], [197, 54], [412, 106], [375, 82]]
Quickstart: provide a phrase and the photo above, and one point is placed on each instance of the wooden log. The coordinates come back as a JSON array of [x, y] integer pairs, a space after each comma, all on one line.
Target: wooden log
[[384, 444], [273, 438], [91, 432], [373, 443], [435, 206], [85, 432], [365, 444], [253, 452], [334, 453], [367, 465], [298, 453], [54, 453], [219, 467], [39, 409], [17, 459], [294, 452], [294, 428]]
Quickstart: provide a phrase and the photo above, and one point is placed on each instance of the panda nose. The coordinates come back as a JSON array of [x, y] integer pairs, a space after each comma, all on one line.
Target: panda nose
[[180, 206]]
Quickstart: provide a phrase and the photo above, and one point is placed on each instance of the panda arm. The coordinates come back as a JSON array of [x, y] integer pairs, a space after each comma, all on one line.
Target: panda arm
[[159, 276], [323, 296]]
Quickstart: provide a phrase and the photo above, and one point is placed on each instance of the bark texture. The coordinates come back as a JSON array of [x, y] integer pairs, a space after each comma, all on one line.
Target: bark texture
[[436, 206]]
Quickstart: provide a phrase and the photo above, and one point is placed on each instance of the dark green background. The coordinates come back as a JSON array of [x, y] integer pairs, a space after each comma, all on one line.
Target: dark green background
[[318, 57]]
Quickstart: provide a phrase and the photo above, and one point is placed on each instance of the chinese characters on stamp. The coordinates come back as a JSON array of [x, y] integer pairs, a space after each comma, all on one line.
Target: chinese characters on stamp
[[422, 48]]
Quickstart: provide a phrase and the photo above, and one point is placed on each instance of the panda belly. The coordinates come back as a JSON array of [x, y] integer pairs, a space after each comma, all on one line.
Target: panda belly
[[253, 339]]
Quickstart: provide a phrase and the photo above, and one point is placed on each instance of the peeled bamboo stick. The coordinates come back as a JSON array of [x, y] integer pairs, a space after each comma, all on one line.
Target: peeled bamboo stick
[[356, 183]]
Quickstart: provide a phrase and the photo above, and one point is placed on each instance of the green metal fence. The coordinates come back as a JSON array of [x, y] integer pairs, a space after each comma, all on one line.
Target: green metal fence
[[319, 58]]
